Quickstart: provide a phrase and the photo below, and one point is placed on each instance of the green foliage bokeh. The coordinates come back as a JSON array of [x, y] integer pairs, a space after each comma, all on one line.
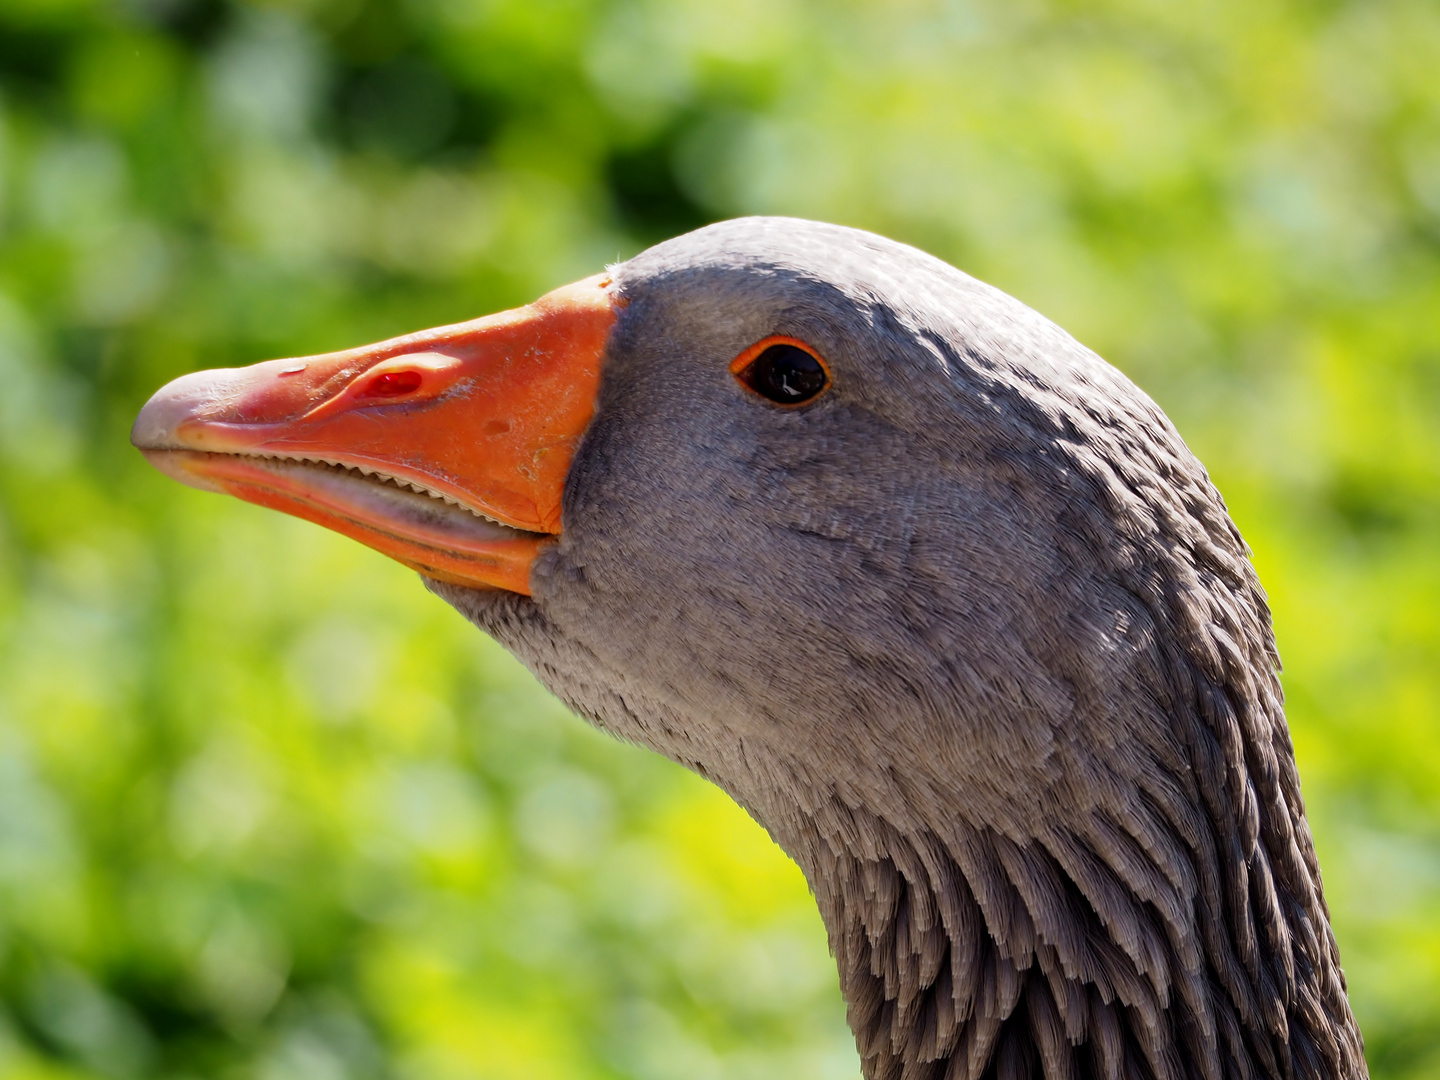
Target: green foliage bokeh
[[268, 809]]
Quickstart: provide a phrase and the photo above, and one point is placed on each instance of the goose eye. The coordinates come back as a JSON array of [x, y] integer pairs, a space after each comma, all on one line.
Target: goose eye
[[783, 370]]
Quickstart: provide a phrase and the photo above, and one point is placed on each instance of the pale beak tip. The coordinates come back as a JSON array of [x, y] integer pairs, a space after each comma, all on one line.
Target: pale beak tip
[[177, 401], [155, 431], [152, 428]]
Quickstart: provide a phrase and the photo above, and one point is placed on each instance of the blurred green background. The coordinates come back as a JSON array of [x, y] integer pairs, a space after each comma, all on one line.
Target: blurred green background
[[267, 809]]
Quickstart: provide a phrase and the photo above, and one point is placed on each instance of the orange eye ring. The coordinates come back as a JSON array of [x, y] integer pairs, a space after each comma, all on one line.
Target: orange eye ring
[[783, 370]]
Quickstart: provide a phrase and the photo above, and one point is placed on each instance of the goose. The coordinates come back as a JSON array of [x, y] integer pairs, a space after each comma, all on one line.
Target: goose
[[935, 593]]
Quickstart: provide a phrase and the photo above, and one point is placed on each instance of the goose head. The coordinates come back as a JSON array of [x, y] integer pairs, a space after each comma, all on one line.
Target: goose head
[[935, 593]]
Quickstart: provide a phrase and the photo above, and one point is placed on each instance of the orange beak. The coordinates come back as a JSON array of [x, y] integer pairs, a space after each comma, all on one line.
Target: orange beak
[[447, 449]]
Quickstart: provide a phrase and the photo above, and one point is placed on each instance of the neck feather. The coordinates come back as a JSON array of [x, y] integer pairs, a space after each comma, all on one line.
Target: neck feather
[[1156, 945]]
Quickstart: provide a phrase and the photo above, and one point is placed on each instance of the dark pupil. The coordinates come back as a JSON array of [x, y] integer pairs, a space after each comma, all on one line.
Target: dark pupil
[[785, 374]]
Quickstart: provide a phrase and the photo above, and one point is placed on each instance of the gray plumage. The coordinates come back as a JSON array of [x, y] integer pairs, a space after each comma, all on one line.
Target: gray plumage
[[974, 638]]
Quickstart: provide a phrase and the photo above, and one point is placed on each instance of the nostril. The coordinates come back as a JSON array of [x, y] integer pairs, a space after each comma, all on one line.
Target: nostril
[[394, 383]]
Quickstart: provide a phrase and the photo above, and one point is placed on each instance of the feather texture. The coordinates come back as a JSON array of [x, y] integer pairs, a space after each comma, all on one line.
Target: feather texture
[[975, 639]]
